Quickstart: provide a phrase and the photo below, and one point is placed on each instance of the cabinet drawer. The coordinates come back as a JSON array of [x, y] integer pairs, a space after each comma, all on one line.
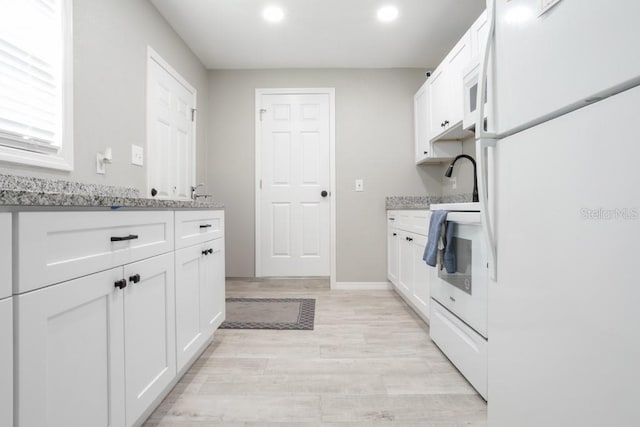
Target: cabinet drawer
[[57, 246], [5, 255], [413, 221], [463, 346], [193, 227]]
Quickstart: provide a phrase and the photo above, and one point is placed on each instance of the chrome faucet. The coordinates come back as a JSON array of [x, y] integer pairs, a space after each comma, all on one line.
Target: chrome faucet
[[475, 175], [195, 196]]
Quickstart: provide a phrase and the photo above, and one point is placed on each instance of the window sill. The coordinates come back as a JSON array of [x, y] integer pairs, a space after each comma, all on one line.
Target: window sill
[[61, 161]]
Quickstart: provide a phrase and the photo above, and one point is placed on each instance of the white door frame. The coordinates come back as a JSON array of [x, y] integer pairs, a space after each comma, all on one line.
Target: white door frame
[[152, 55], [332, 169]]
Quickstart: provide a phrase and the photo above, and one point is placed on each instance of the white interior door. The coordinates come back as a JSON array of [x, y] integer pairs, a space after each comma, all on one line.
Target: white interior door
[[294, 213], [170, 132]]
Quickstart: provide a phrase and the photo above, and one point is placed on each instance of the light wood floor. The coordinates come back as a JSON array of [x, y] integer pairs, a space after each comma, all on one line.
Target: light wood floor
[[369, 362]]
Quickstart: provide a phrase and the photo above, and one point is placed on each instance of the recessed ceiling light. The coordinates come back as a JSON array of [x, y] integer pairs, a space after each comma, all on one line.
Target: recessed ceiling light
[[273, 13], [387, 13]]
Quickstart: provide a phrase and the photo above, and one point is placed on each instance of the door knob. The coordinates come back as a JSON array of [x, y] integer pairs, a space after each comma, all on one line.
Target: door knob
[[121, 284], [324, 193], [135, 278]]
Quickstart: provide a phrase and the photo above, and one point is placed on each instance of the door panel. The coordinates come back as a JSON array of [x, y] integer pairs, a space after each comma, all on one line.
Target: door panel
[[189, 273], [6, 362], [77, 377], [149, 309], [212, 301], [294, 217], [170, 139]]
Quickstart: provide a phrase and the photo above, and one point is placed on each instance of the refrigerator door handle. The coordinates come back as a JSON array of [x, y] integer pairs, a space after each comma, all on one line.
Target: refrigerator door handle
[[484, 140], [485, 212]]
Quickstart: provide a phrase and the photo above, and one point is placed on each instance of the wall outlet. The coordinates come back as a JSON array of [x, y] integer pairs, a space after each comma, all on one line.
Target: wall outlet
[[137, 155], [359, 185]]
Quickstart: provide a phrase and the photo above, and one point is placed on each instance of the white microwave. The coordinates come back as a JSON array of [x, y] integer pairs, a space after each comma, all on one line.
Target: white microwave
[[470, 82]]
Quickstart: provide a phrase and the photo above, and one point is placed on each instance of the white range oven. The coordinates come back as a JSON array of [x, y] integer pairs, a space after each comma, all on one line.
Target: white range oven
[[459, 298]]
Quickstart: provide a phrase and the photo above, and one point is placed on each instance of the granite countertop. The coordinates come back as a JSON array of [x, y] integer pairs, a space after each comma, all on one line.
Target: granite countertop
[[423, 202], [19, 191]]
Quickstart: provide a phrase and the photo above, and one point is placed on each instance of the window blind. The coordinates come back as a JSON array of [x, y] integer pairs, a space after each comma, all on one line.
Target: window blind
[[31, 61]]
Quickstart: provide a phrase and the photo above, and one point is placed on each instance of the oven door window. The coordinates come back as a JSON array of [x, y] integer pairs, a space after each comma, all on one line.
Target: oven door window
[[461, 278]]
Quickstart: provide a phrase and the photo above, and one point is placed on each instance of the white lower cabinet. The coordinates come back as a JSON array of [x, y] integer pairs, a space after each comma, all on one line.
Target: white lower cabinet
[[72, 367], [6, 362], [200, 296], [70, 354], [101, 349], [149, 332], [393, 252], [406, 270], [213, 301]]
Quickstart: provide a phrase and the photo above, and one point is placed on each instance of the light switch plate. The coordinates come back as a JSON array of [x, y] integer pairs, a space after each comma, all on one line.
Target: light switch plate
[[359, 185], [137, 155]]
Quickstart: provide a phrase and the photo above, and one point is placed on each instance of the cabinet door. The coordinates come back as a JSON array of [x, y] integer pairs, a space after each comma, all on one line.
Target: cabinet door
[[421, 276], [212, 301], [421, 121], [69, 356], [6, 362], [438, 101], [149, 332], [190, 335], [405, 274], [457, 60], [5, 255], [478, 35], [393, 248]]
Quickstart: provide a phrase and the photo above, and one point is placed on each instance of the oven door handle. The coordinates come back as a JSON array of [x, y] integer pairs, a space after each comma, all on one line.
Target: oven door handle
[[472, 218]]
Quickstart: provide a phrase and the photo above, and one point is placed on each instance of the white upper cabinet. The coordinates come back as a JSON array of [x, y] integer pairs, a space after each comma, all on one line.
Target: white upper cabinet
[[445, 105], [470, 76], [427, 151]]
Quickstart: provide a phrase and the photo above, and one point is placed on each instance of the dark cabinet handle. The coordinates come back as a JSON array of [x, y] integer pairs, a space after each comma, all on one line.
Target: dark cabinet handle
[[392, 219], [135, 278], [409, 239], [120, 284], [206, 226], [154, 192], [426, 152], [210, 251], [207, 251], [122, 239], [324, 193], [446, 122], [395, 234]]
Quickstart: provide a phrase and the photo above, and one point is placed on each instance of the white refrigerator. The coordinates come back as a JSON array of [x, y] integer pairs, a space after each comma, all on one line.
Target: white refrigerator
[[560, 196]]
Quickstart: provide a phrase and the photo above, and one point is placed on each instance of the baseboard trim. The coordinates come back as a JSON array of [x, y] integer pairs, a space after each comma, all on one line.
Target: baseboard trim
[[362, 286]]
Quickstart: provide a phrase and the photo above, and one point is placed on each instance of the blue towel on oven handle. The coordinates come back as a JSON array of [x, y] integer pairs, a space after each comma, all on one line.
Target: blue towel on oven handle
[[438, 220], [449, 257]]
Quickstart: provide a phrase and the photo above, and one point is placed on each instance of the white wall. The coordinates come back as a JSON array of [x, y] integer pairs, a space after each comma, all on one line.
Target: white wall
[[110, 54], [374, 141]]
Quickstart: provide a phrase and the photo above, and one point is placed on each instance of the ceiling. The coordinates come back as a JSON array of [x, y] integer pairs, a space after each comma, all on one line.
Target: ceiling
[[231, 34]]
